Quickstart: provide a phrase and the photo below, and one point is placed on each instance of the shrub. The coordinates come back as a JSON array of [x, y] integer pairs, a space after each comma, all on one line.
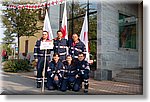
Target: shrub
[[16, 65]]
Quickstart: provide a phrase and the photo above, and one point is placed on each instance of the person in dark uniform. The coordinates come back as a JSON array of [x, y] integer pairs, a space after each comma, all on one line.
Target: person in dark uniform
[[68, 74], [76, 46], [54, 72], [60, 45], [39, 56], [83, 72]]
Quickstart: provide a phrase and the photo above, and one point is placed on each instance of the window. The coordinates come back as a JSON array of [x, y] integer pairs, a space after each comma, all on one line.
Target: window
[[92, 6], [79, 7], [93, 35], [127, 31], [77, 24], [54, 18]]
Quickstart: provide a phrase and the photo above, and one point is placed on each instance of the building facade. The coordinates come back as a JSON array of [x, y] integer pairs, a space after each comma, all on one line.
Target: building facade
[[119, 36]]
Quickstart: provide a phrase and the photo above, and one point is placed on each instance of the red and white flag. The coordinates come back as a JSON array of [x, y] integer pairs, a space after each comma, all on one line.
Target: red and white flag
[[47, 26], [64, 23], [84, 36], [64, 26]]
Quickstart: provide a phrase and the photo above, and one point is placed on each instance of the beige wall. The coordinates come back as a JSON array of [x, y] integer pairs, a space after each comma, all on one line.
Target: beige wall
[[31, 41]]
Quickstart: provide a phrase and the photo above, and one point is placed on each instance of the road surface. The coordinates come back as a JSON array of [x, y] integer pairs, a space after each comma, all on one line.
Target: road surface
[[25, 84]]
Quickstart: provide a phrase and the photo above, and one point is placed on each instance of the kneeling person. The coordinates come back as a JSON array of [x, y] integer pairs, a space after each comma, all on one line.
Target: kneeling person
[[69, 74], [54, 73], [83, 72]]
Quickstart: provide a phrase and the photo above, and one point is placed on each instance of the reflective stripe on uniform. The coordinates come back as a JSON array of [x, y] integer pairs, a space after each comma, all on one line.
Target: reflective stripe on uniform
[[60, 75], [82, 71], [62, 70], [62, 53], [38, 78], [48, 69], [86, 83], [87, 67], [52, 75], [75, 56], [35, 54], [72, 71], [85, 80], [53, 71], [48, 54], [78, 49], [61, 46], [72, 52], [40, 54], [36, 47]]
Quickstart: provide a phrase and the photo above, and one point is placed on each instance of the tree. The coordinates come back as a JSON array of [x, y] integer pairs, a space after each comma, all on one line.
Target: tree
[[7, 41], [8, 37], [22, 22]]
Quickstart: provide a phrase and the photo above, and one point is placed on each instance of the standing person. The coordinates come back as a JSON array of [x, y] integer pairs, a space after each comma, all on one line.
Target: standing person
[[60, 45], [76, 46], [39, 56], [54, 73], [83, 72], [4, 55], [69, 74]]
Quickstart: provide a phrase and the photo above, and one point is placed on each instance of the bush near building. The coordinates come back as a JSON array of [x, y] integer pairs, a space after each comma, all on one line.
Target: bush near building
[[17, 65]]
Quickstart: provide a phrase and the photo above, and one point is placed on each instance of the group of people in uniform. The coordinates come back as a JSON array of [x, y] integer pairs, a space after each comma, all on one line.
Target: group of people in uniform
[[68, 67]]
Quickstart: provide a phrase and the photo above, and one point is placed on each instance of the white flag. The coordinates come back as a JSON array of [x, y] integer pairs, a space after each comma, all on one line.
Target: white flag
[[47, 26], [84, 36], [64, 23], [64, 26]]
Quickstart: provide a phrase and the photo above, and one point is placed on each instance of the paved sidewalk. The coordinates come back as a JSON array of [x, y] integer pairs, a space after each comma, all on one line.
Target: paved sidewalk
[[95, 87]]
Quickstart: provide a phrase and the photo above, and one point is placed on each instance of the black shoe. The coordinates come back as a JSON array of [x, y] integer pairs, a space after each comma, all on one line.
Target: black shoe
[[50, 88], [85, 90], [38, 85]]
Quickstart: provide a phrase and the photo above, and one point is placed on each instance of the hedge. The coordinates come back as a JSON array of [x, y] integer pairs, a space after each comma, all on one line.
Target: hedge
[[15, 65]]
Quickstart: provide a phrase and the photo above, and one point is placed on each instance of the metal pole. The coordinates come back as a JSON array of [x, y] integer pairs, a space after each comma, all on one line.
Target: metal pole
[[72, 17], [88, 14], [43, 74]]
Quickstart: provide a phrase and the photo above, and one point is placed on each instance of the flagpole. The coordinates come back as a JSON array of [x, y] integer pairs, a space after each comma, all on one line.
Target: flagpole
[[72, 16], [88, 13], [43, 74], [88, 28]]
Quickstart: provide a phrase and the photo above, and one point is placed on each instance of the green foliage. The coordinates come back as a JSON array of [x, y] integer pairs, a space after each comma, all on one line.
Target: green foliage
[[16, 65], [7, 47], [93, 49], [23, 22], [19, 22], [9, 37]]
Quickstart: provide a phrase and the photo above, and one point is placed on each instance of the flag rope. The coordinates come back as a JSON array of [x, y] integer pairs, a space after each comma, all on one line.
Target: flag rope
[[35, 6]]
